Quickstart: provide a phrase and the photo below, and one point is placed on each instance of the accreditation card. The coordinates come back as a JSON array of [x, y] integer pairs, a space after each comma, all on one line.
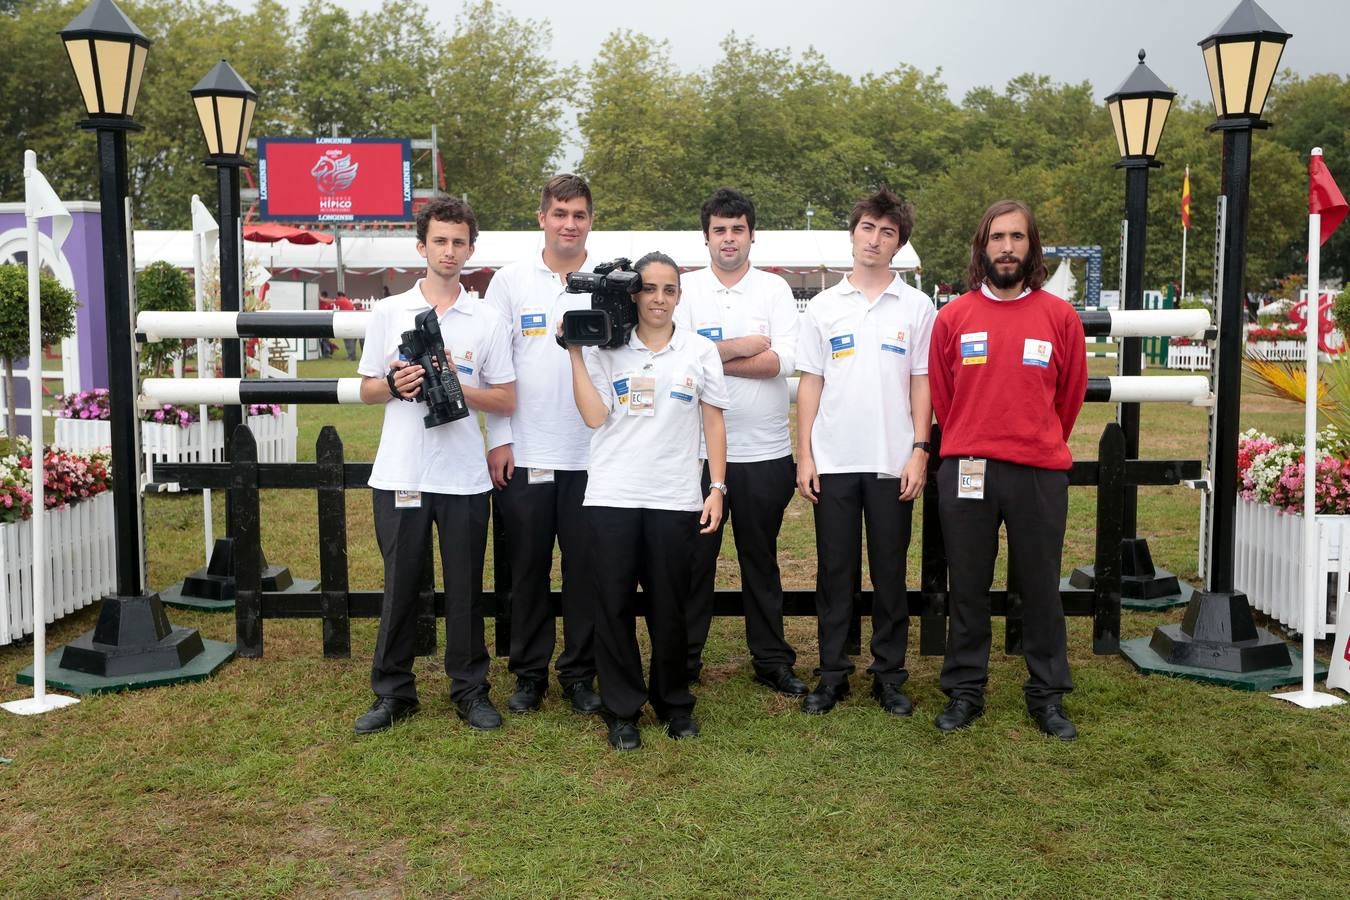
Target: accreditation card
[[970, 479]]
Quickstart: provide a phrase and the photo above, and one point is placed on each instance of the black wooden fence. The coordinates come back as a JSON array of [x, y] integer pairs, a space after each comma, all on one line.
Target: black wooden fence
[[335, 604]]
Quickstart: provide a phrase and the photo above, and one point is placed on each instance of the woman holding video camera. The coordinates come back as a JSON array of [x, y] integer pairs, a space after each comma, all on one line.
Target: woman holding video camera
[[647, 402]]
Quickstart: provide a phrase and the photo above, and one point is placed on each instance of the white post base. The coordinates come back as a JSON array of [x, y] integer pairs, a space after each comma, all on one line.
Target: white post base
[[1309, 699], [33, 706]]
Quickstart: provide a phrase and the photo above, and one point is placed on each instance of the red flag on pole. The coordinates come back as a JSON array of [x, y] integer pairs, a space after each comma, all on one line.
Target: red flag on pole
[[1186, 200], [1324, 197]]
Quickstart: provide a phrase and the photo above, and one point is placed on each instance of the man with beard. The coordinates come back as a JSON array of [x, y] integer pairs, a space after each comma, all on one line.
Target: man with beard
[[752, 318], [1008, 371], [538, 457]]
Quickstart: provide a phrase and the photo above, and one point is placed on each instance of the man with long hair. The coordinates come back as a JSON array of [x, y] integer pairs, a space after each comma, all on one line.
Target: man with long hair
[[1008, 372]]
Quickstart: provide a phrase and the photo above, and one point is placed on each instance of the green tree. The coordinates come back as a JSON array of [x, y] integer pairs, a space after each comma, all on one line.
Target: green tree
[[162, 287], [636, 123], [56, 306]]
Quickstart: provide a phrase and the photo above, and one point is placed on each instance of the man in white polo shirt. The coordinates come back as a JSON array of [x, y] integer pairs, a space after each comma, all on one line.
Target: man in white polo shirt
[[538, 457], [752, 317], [863, 418], [424, 476]]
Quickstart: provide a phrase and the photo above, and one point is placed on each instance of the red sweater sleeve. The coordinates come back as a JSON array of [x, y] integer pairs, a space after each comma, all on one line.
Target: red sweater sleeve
[[940, 369], [1072, 387]]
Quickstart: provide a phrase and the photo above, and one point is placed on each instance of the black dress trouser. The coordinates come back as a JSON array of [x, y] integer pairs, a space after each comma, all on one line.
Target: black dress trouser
[[845, 501], [404, 537], [533, 515], [1034, 503], [659, 543], [757, 495]]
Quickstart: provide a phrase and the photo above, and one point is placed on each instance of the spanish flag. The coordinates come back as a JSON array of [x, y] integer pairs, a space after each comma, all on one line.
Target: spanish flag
[[1186, 200]]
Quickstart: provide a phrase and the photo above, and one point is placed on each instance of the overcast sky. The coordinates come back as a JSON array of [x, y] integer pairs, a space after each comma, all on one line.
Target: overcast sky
[[974, 43]]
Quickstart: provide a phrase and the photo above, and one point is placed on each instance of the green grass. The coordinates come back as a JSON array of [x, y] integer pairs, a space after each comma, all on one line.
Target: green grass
[[252, 784]]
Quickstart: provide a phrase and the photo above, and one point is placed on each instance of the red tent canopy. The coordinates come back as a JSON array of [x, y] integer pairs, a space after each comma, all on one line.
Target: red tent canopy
[[271, 232]]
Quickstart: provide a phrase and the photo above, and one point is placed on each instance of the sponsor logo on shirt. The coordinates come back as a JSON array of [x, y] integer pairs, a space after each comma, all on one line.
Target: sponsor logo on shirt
[[896, 345], [711, 332], [975, 348], [533, 324], [621, 389], [841, 346], [1036, 353]]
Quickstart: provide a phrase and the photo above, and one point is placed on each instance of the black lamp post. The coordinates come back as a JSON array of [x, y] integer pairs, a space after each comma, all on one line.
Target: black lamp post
[[1138, 110], [225, 105], [1218, 631], [133, 635]]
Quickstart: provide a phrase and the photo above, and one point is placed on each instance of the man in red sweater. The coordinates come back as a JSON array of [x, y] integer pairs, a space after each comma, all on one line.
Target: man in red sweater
[[1008, 372]]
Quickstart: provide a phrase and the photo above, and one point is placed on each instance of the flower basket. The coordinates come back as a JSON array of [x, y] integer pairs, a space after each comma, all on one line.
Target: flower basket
[[1269, 532], [1268, 564]]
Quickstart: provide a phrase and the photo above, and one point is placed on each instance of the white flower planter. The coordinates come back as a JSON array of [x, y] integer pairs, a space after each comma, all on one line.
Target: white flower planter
[[169, 443], [80, 564], [1268, 564]]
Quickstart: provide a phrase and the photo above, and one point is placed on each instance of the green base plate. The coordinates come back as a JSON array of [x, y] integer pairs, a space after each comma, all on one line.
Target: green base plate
[[1153, 605], [173, 596], [214, 655], [1142, 657]]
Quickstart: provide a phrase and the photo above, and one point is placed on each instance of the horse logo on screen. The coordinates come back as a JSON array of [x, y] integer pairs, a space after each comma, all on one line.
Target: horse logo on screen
[[334, 172]]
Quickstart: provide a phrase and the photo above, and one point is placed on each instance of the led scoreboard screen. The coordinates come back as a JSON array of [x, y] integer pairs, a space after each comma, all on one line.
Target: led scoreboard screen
[[334, 179]]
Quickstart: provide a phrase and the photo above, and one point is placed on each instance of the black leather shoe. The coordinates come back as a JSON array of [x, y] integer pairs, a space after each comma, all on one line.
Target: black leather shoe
[[480, 714], [1052, 721], [824, 697], [682, 727], [385, 711], [529, 695], [623, 735], [892, 698], [584, 698], [783, 680], [957, 714]]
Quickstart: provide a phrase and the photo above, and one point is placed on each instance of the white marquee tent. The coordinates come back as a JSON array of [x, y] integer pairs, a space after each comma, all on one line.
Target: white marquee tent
[[792, 251]]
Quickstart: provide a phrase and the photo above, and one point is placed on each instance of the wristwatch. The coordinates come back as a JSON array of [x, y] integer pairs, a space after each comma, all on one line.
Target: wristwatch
[[924, 446], [719, 485]]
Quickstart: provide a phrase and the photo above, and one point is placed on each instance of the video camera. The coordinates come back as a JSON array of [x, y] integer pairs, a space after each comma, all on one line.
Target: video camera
[[613, 314], [440, 391]]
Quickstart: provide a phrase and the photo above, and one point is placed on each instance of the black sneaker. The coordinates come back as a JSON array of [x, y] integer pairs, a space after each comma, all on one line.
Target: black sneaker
[[584, 698], [480, 714], [383, 713], [623, 735], [1052, 721], [529, 695], [957, 714]]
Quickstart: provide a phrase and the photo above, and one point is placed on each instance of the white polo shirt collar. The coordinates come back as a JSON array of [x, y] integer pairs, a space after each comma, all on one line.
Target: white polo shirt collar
[[984, 289]]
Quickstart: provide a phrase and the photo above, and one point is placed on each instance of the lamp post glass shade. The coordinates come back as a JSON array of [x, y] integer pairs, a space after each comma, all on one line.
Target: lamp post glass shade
[[1139, 109], [225, 105], [108, 54], [1241, 58]]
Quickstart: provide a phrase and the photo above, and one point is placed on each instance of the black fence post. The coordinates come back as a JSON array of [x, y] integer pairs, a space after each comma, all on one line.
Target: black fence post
[[333, 584], [243, 501], [1110, 531], [933, 562]]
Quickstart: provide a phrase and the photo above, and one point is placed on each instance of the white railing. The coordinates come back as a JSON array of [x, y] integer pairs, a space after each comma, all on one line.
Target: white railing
[[276, 437], [1268, 564], [80, 564]]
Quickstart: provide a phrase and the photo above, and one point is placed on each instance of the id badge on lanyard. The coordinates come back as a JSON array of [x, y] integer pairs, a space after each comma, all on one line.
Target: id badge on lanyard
[[970, 479]]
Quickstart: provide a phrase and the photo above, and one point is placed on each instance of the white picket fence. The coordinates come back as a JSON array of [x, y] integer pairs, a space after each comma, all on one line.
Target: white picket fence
[[170, 443], [1195, 357], [1268, 564], [80, 565]]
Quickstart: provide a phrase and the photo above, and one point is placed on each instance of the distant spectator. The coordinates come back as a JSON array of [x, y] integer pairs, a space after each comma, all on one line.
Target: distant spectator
[[326, 347], [344, 303]]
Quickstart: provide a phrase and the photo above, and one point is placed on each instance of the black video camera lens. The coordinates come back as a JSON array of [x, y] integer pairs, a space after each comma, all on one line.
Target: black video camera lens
[[586, 328]]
